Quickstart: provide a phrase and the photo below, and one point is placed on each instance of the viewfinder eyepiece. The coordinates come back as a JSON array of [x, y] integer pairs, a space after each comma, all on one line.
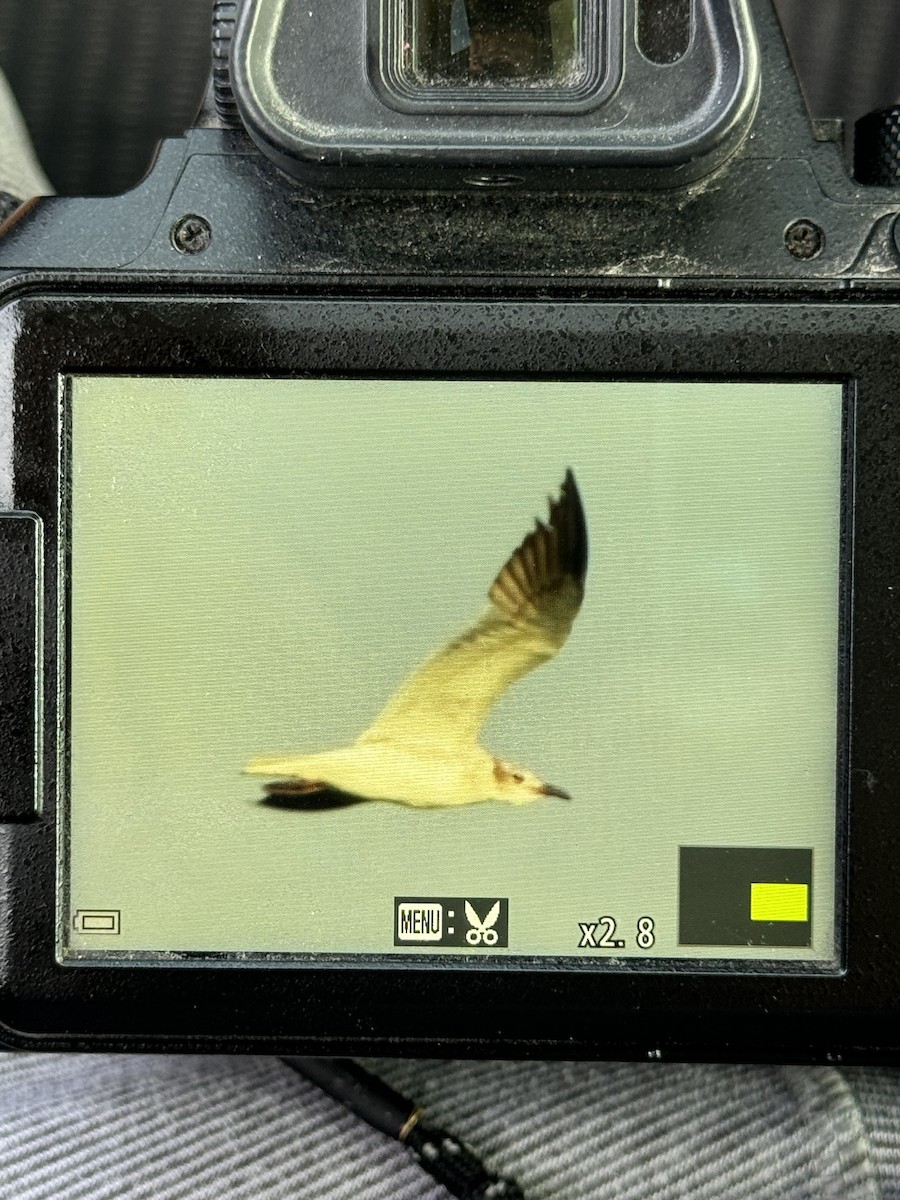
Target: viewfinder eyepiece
[[540, 94]]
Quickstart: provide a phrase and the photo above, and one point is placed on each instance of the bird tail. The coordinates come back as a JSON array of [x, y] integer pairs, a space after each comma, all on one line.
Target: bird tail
[[286, 768]]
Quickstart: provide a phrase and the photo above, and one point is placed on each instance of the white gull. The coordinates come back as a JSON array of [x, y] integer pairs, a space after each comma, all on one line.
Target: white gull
[[423, 748]]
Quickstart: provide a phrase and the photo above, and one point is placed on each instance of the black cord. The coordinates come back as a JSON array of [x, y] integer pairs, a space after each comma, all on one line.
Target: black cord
[[442, 1155]]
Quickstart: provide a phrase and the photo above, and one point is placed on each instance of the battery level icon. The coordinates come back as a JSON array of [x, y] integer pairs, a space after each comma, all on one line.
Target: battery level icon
[[96, 920]]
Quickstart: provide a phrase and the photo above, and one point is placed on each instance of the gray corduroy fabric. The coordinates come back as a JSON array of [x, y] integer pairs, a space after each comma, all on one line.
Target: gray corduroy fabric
[[620, 1130], [878, 1095], [95, 1127], [101, 1127]]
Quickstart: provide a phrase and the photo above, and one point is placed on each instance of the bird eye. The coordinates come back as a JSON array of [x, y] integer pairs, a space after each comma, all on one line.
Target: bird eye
[[517, 778]]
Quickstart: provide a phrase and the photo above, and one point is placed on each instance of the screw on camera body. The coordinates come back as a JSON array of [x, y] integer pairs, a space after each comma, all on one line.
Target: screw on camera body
[[804, 239], [191, 234]]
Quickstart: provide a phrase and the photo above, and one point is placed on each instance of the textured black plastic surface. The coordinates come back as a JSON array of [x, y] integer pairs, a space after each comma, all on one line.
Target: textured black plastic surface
[[20, 683], [877, 148]]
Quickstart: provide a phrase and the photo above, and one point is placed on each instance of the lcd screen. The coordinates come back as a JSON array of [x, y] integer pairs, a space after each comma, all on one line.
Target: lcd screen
[[480, 669]]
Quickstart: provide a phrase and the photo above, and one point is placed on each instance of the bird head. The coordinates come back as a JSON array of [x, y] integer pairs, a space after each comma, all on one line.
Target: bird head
[[518, 785]]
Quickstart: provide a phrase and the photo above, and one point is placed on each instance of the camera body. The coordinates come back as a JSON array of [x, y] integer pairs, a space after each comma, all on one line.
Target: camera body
[[359, 303]]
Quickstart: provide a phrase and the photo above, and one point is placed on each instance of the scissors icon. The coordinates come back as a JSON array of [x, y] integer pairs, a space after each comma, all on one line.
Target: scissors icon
[[482, 932]]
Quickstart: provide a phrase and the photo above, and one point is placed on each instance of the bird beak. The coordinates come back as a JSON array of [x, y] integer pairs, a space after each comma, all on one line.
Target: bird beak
[[549, 790]]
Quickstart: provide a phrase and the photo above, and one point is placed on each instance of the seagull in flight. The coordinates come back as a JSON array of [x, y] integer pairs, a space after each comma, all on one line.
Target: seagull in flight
[[423, 748]]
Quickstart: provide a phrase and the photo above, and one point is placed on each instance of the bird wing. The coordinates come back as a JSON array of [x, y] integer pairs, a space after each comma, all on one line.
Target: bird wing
[[533, 602]]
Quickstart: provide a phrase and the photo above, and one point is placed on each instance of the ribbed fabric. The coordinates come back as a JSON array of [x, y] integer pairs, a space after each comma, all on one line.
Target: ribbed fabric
[[584, 1131], [878, 1095], [847, 53], [104, 1127], [107, 1127], [99, 82]]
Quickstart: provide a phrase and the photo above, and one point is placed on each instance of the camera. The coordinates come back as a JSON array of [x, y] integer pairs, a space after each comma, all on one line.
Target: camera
[[449, 523]]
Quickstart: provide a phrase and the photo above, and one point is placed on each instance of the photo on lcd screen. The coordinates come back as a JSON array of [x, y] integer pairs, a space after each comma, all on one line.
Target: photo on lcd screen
[[454, 667]]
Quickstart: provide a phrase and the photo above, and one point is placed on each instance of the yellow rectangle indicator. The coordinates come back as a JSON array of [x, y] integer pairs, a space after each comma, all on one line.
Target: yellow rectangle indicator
[[779, 902]]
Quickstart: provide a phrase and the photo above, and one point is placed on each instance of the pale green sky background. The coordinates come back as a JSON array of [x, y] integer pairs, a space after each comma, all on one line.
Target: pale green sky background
[[258, 564]]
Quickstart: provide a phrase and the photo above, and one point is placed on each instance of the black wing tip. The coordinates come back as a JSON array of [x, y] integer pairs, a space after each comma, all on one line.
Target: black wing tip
[[548, 554], [324, 800], [567, 516]]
